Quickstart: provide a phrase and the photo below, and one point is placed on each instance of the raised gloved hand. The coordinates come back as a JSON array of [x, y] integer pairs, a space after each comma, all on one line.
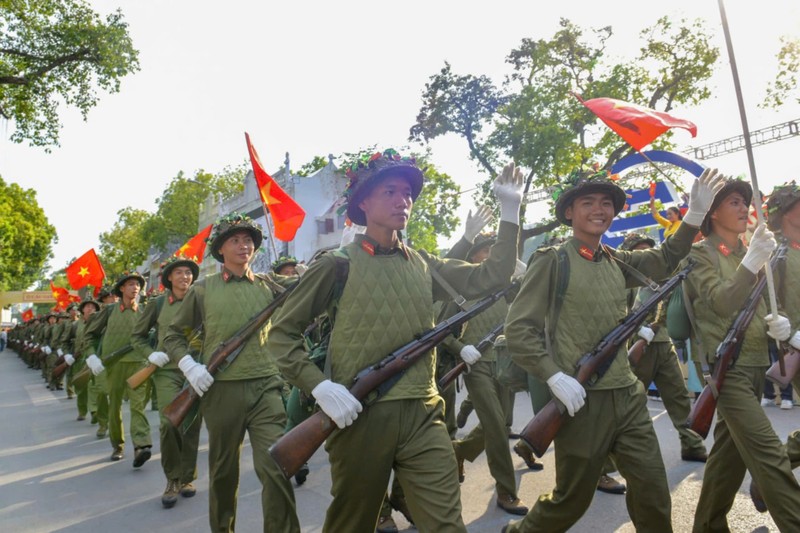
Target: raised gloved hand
[[568, 391], [704, 189], [60, 352], [158, 358], [470, 354], [476, 223], [761, 245], [508, 191], [336, 401], [519, 269], [95, 365], [196, 374], [778, 327], [69, 359], [301, 269], [795, 340], [647, 333]]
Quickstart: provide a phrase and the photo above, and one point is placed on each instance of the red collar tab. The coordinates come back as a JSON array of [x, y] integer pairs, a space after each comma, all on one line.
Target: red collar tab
[[724, 250], [795, 245], [226, 276], [586, 252], [368, 247], [171, 299]]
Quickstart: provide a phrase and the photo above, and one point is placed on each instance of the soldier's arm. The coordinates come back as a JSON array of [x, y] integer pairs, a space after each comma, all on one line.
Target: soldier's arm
[[525, 323], [140, 336], [310, 299], [475, 281], [459, 250], [188, 317], [94, 330], [659, 263], [724, 296]]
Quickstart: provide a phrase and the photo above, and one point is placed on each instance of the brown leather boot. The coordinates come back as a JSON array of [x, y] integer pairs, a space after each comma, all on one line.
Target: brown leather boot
[[511, 504], [610, 485], [170, 496], [521, 449]]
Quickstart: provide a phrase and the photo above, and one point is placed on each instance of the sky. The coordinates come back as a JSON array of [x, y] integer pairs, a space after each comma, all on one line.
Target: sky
[[313, 78]]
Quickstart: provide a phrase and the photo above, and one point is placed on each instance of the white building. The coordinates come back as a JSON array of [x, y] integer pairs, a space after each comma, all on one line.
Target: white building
[[318, 194]]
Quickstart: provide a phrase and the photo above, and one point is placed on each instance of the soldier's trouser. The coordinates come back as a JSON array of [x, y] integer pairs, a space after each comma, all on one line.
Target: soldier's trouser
[[793, 442], [231, 408], [507, 400], [616, 423], [409, 436], [744, 440], [82, 394], [443, 365], [298, 408], [137, 399], [50, 362], [178, 451], [98, 398], [659, 364], [491, 433]]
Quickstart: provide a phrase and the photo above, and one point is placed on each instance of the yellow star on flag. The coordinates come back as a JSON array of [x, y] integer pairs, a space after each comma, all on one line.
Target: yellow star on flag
[[55, 295], [267, 197], [84, 272], [182, 249]]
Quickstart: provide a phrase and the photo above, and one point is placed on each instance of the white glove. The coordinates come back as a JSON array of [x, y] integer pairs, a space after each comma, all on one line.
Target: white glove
[[60, 352], [476, 223], [300, 268], [47, 350], [520, 269], [158, 358], [647, 333], [778, 327], [508, 191], [69, 359], [95, 364], [568, 391], [761, 245], [704, 189], [795, 340], [196, 374], [470, 354], [337, 402]]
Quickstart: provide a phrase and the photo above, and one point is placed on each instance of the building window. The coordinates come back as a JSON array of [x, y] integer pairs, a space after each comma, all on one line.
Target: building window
[[328, 225], [320, 227]]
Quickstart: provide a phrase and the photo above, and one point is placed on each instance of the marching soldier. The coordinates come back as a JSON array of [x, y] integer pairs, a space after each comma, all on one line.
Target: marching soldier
[[97, 401], [659, 365], [65, 345], [178, 451], [74, 356], [717, 288], [246, 396], [551, 324], [108, 332], [386, 300]]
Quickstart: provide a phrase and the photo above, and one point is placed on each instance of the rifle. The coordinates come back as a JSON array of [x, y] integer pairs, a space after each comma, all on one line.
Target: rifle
[[541, 431], [136, 380], [81, 379], [485, 343], [791, 365], [222, 357], [727, 352], [295, 448]]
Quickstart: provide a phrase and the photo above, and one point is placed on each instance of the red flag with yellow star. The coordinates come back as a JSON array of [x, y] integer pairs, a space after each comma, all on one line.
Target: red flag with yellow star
[[86, 270], [62, 297], [195, 248], [287, 215], [27, 315], [637, 125]]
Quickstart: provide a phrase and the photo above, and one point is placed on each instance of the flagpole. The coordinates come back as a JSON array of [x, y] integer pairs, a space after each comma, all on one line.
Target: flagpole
[[773, 302], [269, 232], [653, 164]]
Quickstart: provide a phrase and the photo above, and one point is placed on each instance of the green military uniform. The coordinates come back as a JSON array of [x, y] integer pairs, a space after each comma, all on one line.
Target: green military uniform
[[52, 341], [790, 300], [97, 390], [614, 421], [245, 397], [113, 326], [178, 450], [659, 365], [79, 329], [387, 300], [66, 345], [743, 436]]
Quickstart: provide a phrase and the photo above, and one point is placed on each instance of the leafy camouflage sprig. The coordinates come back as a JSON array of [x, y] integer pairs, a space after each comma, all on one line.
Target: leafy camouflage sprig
[[172, 259], [225, 223], [282, 260], [368, 163], [579, 177], [782, 197]]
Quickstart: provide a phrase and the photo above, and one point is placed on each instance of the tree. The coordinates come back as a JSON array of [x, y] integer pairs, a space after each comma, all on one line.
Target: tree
[[54, 51], [26, 237], [319, 162], [784, 86], [124, 247], [434, 209], [538, 124]]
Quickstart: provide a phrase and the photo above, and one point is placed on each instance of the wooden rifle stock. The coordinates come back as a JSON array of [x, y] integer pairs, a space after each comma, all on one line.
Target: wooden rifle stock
[[783, 377], [226, 352], [297, 446], [485, 343], [81, 379], [60, 368], [702, 413], [141, 376], [541, 431]]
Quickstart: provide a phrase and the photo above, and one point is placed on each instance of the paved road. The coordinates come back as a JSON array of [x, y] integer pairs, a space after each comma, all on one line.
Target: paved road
[[56, 476]]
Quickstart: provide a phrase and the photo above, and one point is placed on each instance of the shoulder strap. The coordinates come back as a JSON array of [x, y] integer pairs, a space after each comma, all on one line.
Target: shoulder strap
[[275, 287], [459, 300], [160, 305], [631, 270], [559, 280], [341, 272]]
